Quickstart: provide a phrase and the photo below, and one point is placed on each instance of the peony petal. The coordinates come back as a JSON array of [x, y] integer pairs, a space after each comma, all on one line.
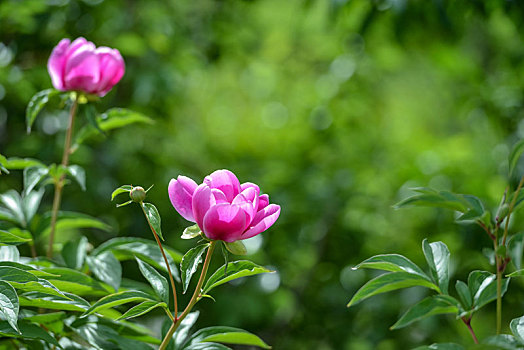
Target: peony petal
[[224, 222], [203, 199], [82, 68], [251, 195], [247, 206], [220, 197], [262, 221], [225, 181], [112, 69], [263, 201], [249, 184], [181, 195], [56, 64]]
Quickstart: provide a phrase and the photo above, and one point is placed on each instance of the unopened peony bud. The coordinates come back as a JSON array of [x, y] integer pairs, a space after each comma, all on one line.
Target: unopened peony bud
[[137, 194]]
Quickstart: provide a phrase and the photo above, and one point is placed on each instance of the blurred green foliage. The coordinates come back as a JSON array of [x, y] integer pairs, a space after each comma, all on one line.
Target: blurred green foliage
[[335, 107]]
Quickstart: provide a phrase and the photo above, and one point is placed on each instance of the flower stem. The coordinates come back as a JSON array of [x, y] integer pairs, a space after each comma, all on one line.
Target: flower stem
[[467, 322], [194, 299], [173, 287], [59, 185], [499, 296]]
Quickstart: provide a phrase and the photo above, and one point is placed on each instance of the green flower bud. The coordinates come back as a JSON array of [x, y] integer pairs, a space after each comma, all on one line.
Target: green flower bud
[[137, 194]]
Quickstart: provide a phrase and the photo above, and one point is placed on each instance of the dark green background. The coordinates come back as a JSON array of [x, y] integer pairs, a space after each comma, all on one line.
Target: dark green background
[[336, 108]]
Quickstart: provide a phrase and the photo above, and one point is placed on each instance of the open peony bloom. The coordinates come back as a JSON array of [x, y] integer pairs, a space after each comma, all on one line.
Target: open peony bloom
[[82, 66], [223, 208]]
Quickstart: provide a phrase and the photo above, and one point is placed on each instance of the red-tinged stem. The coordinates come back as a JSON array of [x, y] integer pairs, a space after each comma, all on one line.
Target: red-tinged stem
[[467, 322], [173, 287], [59, 185], [194, 299]]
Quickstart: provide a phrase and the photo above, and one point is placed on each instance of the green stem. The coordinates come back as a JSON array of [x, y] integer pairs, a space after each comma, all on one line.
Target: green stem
[[499, 296], [173, 287], [59, 185], [194, 299]]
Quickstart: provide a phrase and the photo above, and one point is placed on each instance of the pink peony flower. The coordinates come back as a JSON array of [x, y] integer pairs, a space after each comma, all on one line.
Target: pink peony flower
[[82, 66], [223, 208]]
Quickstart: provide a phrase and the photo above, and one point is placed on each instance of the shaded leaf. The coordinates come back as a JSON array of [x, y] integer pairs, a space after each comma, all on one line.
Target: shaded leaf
[[516, 248], [153, 217], [13, 202], [157, 281], [126, 248], [501, 342], [464, 294], [70, 220], [180, 336], [27, 331], [117, 299], [235, 269], [106, 268], [112, 119], [76, 282], [9, 305], [190, 262], [434, 305], [428, 197], [74, 253], [236, 247], [142, 308], [32, 176], [36, 104], [391, 262], [437, 257], [79, 174], [514, 156], [483, 287], [22, 163], [31, 202], [441, 346], [388, 282]]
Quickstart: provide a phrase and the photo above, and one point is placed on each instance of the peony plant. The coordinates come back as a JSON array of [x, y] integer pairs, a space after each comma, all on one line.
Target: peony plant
[[75, 296], [464, 299]]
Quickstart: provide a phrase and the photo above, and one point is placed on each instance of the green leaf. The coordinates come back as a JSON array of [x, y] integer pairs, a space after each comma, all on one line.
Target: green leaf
[[9, 304], [437, 257], [434, 305], [207, 346], [15, 163], [428, 197], [141, 309], [483, 287], [441, 346], [27, 331], [37, 102], [70, 220], [32, 176], [89, 111], [126, 248], [517, 328], [190, 262], [117, 299], [516, 248], [74, 253], [227, 335], [182, 332], [475, 210], [153, 217], [464, 294], [7, 238], [514, 156], [13, 202], [52, 321], [157, 281], [69, 302], [121, 189], [76, 282], [391, 262], [112, 119], [124, 204], [25, 280], [9, 253], [237, 247], [235, 269], [106, 268], [31, 202], [388, 282], [79, 174], [500, 342], [191, 232], [31, 269]]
